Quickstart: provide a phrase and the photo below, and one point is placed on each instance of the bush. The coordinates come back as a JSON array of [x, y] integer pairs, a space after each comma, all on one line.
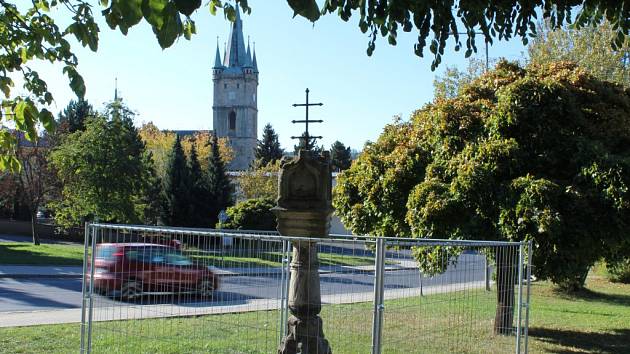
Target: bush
[[619, 272], [252, 214]]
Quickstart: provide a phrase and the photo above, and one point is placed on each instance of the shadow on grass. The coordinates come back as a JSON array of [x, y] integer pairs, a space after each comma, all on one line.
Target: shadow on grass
[[618, 341], [591, 295], [16, 254]]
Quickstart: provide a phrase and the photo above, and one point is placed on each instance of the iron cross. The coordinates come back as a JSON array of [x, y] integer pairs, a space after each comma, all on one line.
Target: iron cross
[[306, 135]]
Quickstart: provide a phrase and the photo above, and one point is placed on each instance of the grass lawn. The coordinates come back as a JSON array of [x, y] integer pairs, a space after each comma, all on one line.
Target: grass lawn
[[25, 253], [596, 321]]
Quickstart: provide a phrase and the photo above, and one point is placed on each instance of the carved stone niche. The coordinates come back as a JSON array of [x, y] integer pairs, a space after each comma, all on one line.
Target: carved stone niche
[[304, 195]]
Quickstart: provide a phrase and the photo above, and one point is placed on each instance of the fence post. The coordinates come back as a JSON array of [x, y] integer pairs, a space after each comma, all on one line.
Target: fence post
[[86, 241], [529, 289], [93, 234], [284, 288], [377, 319], [486, 271], [520, 298]]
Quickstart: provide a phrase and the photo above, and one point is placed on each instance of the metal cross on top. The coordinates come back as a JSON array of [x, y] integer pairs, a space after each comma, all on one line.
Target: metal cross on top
[[306, 134]]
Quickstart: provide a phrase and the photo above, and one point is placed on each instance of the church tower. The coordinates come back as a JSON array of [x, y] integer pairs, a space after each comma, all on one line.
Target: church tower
[[235, 108]]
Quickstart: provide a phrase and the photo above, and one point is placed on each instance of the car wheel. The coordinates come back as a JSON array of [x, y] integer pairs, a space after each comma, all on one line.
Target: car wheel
[[205, 288], [131, 290]]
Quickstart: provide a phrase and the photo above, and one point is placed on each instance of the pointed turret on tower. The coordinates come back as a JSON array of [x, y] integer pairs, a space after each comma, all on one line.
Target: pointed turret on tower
[[235, 109]]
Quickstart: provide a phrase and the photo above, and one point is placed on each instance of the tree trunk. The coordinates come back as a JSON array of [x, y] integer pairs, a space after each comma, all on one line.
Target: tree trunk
[[34, 228], [507, 273]]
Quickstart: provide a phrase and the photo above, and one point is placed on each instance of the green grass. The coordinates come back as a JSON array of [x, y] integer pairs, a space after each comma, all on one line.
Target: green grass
[[24, 253], [594, 321]]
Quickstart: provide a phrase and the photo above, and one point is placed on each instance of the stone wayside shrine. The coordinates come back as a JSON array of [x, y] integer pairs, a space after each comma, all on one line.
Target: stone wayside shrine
[[303, 209]]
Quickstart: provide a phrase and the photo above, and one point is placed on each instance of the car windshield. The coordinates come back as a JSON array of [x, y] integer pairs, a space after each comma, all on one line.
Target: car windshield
[[177, 259], [158, 255], [105, 252]]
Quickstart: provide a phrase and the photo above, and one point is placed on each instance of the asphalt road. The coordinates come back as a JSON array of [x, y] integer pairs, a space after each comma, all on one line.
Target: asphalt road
[[36, 294]]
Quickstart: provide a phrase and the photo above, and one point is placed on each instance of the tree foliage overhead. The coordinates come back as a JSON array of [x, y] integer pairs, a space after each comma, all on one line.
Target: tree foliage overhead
[[541, 153], [28, 32]]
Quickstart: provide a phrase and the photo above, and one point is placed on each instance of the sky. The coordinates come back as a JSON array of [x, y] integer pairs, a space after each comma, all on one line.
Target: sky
[[173, 87]]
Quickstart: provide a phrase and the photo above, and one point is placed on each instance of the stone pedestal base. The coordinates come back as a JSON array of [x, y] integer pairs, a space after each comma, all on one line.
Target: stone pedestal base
[[305, 336]]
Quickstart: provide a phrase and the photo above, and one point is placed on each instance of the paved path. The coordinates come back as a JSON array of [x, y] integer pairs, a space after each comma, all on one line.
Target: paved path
[[31, 301]]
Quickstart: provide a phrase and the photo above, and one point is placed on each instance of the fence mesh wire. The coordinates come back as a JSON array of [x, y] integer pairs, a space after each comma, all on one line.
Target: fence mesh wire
[[172, 290]]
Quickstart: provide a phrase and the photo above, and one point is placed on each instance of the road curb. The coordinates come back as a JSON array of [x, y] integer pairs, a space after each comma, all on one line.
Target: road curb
[[40, 276]]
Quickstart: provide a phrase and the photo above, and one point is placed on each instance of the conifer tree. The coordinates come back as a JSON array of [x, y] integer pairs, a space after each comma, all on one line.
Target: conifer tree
[[268, 149], [219, 187], [176, 189], [199, 192], [340, 156], [74, 115], [308, 144]]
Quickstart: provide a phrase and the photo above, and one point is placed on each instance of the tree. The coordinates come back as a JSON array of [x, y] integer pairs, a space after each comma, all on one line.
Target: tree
[[307, 144], [540, 154], [251, 214], [268, 149], [199, 193], [176, 191], [74, 115], [340, 156], [588, 47], [29, 33], [219, 187], [36, 180], [101, 170], [261, 181], [160, 144], [453, 80]]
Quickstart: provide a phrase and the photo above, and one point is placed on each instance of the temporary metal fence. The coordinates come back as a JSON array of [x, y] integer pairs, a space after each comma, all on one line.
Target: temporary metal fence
[[175, 290]]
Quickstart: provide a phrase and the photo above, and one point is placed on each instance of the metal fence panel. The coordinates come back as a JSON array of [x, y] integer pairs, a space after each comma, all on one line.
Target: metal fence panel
[[152, 291]]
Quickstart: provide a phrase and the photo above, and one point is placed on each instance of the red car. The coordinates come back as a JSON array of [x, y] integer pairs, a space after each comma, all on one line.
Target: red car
[[130, 270]]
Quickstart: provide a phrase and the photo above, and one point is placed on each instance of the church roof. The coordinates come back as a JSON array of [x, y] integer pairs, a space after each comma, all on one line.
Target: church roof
[[217, 59], [236, 55]]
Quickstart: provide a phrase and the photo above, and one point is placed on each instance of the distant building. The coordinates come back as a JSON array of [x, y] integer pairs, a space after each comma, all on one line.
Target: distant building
[[235, 108]]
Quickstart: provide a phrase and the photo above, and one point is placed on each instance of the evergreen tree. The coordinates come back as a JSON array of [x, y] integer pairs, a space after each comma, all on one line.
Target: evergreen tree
[[340, 156], [73, 116], [268, 149], [152, 195], [199, 192], [307, 144], [176, 189], [219, 187]]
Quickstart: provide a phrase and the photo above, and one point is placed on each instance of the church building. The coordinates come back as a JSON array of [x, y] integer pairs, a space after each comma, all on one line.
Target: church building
[[235, 107]]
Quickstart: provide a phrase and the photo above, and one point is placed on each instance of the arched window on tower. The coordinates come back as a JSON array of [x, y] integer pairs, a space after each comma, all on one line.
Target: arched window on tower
[[232, 120]]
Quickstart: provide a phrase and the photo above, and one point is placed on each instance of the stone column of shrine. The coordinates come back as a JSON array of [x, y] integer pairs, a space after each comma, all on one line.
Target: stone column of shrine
[[304, 209]]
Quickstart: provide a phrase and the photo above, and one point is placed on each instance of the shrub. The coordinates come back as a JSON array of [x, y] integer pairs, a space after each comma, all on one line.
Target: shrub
[[619, 271], [251, 214]]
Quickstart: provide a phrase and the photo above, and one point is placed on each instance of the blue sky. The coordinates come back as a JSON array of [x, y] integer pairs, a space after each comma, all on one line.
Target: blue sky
[[173, 87]]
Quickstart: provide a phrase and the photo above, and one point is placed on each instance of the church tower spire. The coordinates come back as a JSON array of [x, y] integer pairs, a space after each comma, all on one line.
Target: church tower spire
[[235, 107], [236, 54], [217, 57]]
